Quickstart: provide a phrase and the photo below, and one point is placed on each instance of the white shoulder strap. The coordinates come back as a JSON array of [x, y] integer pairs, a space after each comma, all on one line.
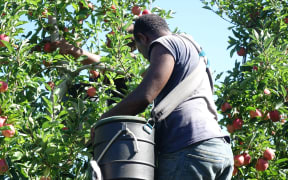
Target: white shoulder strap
[[185, 89]]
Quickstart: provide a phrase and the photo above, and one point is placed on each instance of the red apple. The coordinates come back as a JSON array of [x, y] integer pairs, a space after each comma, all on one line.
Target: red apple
[[2, 120], [36, 48], [3, 86], [261, 164], [46, 64], [238, 123], [229, 115], [286, 20], [3, 37], [94, 74], [65, 128], [136, 10], [274, 115], [108, 40], [254, 15], [66, 29], [247, 158], [106, 20], [255, 68], [146, 11], [230, 128], [256, 113], [269, 154], [90, 5], [238, 160], [47, 47], [267, 91], [3, 166], [113, 7], [225, 106], [112, 32], [108, 43], [241, 51], [91, 91], [235, 171], [45, 12], [51, 84], [9, 133]]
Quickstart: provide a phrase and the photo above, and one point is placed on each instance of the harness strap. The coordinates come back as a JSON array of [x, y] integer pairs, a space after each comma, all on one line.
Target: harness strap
[[186, 88]]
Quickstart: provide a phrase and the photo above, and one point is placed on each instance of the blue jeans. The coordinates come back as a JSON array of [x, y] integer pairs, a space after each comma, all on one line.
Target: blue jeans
[[206, 160]]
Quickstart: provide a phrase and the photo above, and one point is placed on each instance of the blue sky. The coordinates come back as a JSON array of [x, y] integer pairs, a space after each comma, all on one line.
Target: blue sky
[[207, 28]]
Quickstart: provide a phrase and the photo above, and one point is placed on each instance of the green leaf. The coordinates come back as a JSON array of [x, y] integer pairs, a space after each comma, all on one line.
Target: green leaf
[[81, 58], [5, 128], [207, 7], [80, 105], [17, 155], [232, 52], [281, 160], [48, 117], [278, 105], [48, 102], [255, 34], [127, 25], [46, 125], [8, 45], [236, 34], [268, 42]]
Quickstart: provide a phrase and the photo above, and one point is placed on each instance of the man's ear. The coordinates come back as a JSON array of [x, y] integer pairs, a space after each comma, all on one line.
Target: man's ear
[[142, 38]]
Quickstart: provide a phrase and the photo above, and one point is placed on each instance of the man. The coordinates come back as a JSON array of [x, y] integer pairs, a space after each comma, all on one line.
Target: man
[[189, 141]]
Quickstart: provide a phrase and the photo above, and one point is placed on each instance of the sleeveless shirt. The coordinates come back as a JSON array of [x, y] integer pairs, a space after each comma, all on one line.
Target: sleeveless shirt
[[193, 120]]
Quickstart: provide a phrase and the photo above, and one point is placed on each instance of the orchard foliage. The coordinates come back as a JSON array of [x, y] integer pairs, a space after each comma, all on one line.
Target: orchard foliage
[[257, 88], [46, 101]]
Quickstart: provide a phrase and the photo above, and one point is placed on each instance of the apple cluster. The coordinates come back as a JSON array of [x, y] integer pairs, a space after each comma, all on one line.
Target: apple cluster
[[3, 37], [136, 10], [9, 132], [237, 123], [245, 159], [262, 163], [3, 166], [3, 86]]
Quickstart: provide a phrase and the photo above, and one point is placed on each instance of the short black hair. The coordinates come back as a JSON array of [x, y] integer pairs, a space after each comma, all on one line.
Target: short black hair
[[149, 24]]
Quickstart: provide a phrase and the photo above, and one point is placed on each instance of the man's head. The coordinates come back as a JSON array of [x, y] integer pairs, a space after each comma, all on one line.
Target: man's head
[[148, 28], [150, 24]]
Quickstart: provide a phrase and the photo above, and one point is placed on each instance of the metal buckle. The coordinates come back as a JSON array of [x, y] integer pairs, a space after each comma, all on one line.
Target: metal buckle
[[148, 127]]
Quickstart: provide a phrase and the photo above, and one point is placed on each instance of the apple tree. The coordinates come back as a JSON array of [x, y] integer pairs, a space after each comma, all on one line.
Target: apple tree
[[50, 100], [253, 97]]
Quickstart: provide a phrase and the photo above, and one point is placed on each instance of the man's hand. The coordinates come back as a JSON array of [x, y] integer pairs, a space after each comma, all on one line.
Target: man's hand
[[67, 48], [64, 46]]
